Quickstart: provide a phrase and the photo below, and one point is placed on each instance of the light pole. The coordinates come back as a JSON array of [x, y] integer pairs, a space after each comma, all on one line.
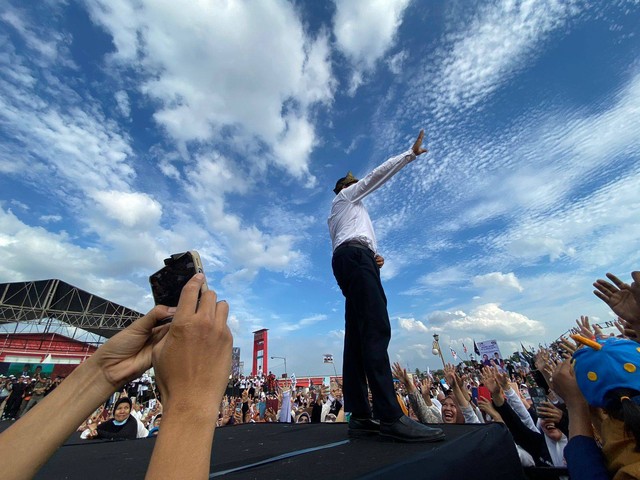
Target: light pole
[[285, 365], [436, 348]]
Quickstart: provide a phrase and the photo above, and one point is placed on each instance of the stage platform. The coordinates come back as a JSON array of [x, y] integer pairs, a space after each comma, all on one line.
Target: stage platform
[[292, 451]]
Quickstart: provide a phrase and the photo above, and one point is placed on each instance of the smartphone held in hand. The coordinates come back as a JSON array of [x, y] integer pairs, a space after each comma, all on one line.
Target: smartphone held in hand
[[167, 283]]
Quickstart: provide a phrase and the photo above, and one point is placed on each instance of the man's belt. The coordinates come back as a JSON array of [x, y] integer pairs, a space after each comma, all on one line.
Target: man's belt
[[353, 243]]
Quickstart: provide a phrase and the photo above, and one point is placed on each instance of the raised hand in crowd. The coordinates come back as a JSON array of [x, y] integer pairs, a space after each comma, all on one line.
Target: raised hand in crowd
[[502, 378], [490, 381], [584, 327], [402, 375], [549, 411], [567, 345], [622, 298], [599, 333], [225, 416], [543, 364], [548, 369], [426, 390], [450, 374], [270, 415], [541, 359], [322, 394], [626, 329], [237, 414], [487, 407], [452, 380], [461, 386]]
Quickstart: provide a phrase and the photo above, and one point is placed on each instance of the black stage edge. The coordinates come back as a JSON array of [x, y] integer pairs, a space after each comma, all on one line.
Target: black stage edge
[[291, 451]]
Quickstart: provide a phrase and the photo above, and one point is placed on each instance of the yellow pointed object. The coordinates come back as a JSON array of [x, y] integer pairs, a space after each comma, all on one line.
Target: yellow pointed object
[[586, 341]]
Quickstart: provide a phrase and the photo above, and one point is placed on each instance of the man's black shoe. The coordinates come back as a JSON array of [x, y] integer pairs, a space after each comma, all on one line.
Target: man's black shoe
[[359, 427], [406, 430]]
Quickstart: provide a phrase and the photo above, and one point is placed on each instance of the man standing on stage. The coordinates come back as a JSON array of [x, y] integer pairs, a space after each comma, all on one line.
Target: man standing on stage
[[356, 266]]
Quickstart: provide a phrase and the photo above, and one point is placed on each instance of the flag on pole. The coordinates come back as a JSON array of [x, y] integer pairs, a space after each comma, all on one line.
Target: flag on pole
[[475, 348], [464, 348], [328, 358], [429, 373], [453, 353]]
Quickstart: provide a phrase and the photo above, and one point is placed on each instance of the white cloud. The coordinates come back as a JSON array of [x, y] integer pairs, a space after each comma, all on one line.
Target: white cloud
[[210, 81], [47, 48], [247, 246], [336, 334], [80, 148], [20, 205], [439, 279], [122, 101], [536, 247], [33, 253], [305, 322], [297, 140], [498, 279], [50, 218], [396, 61], [131, 209], [489, 319], [365, 30], [494, 45], [412, 325]]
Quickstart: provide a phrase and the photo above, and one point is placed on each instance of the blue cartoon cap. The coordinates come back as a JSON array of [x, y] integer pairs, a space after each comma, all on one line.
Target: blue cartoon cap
[[616, 364]]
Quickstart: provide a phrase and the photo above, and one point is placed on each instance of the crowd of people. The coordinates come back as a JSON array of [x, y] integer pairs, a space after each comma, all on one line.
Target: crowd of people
[[19, 394], [552, 412], [580, 395]]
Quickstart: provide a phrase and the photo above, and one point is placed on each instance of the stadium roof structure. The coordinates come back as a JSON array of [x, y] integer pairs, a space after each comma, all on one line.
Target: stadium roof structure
[[53, 301]]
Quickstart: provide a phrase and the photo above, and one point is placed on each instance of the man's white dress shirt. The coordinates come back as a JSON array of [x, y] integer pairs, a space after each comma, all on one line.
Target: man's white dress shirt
[[349, 220]]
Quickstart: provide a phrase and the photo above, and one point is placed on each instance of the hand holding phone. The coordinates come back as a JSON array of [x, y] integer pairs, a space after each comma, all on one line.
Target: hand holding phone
[[167, 283]]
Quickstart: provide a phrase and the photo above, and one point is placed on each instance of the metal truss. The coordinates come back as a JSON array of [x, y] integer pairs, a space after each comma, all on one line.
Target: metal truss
[[45, 300]]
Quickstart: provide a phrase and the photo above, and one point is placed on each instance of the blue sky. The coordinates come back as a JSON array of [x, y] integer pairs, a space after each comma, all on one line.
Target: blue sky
[[132, 130]]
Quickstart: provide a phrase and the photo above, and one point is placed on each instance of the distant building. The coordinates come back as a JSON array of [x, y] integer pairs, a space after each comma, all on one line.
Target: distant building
[[56, 353]]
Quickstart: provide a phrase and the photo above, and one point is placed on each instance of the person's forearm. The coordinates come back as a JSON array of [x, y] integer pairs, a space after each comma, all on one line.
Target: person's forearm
[[469, 414], [460, 398], [72, 401], [516, 404], [427, 398], [183, 446], [422, 411], [497, 399], [579, 419]]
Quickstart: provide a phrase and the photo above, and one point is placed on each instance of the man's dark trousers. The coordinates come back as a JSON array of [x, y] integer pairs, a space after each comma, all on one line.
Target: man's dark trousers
[[367, 335]]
